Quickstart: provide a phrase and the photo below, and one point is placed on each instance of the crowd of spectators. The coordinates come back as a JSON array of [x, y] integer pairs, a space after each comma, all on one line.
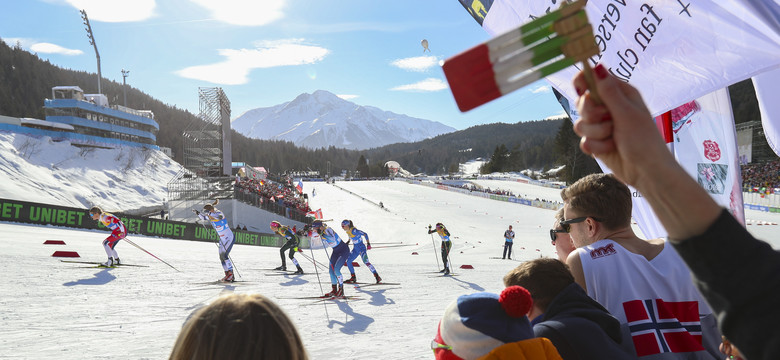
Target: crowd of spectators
[[761, 177], [273, 196]]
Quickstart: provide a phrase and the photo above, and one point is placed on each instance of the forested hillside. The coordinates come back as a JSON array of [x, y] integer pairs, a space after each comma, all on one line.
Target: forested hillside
[[26, 80]]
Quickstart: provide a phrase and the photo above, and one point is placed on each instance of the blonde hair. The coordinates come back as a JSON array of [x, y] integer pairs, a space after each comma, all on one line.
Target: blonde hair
[[211, 207], [239, 326]]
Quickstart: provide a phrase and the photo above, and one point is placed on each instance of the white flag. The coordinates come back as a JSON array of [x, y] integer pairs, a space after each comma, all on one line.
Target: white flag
[[672, 51]]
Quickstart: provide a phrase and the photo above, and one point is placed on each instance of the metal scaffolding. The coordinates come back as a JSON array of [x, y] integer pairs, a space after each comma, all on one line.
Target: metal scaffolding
[[206, 150]]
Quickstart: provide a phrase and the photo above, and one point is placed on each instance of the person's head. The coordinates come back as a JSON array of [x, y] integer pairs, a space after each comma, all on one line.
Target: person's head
[[275, 226], [347, 224], [95, 212], [318, 225], [440, 226], [475, 324], [211, 207], [596, 198], [544, 278], [239, 326], [510, 227], [560, 238]]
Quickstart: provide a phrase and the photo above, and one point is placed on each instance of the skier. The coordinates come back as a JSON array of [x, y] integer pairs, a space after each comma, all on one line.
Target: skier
[[226, 239], [292, 244], [509, 236], [118, 232], [446, 245], [337, 257], [358, 249]]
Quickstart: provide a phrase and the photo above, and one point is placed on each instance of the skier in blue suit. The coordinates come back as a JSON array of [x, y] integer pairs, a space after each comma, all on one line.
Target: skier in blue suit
[[358, 249], [337, 257]]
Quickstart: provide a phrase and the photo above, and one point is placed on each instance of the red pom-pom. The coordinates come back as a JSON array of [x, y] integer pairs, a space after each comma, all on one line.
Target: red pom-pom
[[516, 301]]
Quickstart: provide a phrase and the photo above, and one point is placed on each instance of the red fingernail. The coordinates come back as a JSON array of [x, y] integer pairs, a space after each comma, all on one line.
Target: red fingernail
[[601, 71], [578, 90], [606, 117]]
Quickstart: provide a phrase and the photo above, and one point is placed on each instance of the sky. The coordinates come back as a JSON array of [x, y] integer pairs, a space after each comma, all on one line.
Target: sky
[[266, 53]]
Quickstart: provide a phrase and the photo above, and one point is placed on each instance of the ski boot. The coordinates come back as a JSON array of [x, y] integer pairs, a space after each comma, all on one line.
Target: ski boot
[[378, 279], [228, 277], [299, 271], [109, 263], [351, 280], [117, 262], [282, 268], [443, 270], [332, 293], [339, 292], [446, 271]]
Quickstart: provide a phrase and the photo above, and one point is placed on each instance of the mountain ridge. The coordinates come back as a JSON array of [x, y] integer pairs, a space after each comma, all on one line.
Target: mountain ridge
[[322, 119]]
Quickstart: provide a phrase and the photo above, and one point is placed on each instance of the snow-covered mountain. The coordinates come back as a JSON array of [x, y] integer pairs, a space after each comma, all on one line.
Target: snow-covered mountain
[[322, 119]]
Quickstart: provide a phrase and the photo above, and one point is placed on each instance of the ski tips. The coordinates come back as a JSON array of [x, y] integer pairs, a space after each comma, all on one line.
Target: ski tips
[[521, 56]]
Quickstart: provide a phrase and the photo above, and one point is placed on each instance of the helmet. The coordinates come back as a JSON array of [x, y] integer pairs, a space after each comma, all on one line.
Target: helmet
[[275, 225], [317, 224], [346, 223]]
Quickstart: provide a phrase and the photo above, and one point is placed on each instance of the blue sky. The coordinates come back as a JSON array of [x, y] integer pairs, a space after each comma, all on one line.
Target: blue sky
[[263, 53]]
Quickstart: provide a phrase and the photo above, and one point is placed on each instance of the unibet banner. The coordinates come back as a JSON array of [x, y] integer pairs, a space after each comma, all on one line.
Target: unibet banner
[[44, 214]]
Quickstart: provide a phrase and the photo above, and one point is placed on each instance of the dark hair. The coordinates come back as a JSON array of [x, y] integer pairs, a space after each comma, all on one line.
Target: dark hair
[[239, 326], [600, 196], [544, 278], [95, 210]]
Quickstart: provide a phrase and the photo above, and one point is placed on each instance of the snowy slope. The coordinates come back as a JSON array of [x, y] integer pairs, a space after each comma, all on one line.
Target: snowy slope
[[69, 311], [39, 170], [322, 119]]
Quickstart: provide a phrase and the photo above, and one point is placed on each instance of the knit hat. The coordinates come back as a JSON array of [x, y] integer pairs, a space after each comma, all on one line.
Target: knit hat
[[475, 324]]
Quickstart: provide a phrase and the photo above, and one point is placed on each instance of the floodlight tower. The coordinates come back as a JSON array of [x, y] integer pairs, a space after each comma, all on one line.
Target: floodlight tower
[[92, 42], [125, 74]]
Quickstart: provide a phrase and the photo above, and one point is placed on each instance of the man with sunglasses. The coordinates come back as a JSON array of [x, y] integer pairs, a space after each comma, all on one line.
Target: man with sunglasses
[[560, 238], [643, 283]]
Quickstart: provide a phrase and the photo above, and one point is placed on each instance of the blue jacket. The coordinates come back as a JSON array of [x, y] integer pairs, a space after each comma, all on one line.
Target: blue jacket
[[580, 328]]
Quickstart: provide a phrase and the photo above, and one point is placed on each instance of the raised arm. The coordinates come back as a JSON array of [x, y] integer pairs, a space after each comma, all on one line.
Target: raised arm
[[621, 132]]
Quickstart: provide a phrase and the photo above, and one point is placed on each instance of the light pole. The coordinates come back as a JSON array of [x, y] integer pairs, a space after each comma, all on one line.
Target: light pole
[[125, 74], [92, 42]]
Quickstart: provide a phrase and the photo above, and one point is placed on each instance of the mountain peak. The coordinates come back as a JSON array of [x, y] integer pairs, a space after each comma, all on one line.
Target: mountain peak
[[326, 96], [322, 119]]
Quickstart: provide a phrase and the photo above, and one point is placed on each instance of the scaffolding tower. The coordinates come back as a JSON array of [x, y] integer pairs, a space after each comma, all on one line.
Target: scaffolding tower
[[207, 151]]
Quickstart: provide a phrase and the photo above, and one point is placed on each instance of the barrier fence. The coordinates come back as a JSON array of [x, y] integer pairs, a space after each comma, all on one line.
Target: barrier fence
[[45, 214]]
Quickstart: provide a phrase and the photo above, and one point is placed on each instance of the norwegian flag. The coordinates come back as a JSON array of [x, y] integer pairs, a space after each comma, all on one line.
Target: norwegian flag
[[299, 186], [658, 326]]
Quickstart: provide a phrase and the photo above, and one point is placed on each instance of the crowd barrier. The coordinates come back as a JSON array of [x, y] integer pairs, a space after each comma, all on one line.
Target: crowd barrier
[[45, 214], [544, 204]]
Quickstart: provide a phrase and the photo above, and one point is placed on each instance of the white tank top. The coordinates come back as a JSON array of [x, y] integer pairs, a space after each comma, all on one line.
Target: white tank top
[[655, 301]]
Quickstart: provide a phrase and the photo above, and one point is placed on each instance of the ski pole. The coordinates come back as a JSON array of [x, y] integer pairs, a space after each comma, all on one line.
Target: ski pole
[[144, 250], [433, 242], [315, 262], [231, 260], [449, 257], [319, 281]]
